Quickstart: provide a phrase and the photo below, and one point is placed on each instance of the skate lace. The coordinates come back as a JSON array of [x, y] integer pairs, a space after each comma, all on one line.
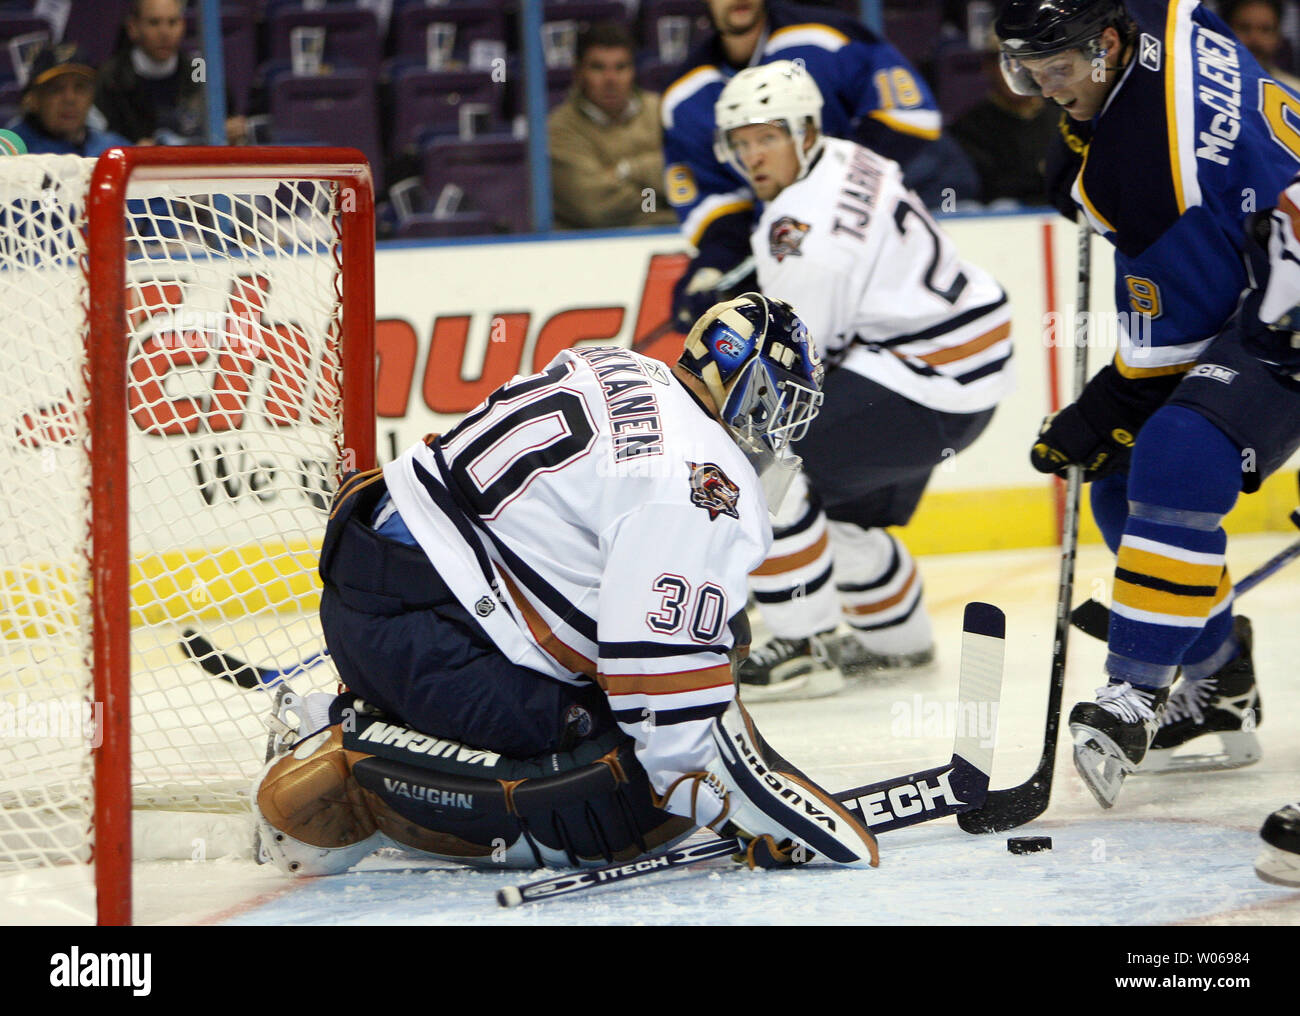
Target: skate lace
[[774, 650], [1189, 700], [1132, 705]]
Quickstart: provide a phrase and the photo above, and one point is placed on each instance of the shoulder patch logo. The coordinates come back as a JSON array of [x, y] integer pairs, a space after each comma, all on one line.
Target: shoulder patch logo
[[1149, 48], [713, 491], [785, 236]]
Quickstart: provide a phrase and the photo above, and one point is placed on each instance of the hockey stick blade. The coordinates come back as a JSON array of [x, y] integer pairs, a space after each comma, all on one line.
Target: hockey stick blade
[[236, 671], [1014, 806], [1093, 618], [962, 784]]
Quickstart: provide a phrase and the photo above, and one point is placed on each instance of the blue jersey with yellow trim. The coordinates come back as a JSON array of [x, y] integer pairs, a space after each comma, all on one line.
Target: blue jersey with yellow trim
[[871, 94], [1192, 139]]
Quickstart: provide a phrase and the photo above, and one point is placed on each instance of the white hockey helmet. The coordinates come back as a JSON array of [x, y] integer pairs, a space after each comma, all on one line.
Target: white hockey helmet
[[781, 92]]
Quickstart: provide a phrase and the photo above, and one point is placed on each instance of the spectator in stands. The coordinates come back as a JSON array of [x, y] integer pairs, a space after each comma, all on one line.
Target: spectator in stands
[[57, 100], [149, 90], [607, 164], [1258, 24], [1007, 137]]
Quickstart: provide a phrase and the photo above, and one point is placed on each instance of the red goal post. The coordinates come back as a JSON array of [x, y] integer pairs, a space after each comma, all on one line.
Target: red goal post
[[129, 187]]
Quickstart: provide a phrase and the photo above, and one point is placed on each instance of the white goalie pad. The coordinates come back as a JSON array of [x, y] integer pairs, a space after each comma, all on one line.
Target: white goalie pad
[[767, 796]]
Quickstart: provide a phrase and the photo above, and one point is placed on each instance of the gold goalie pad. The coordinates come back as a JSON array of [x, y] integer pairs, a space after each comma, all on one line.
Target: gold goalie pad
[[312, 796]]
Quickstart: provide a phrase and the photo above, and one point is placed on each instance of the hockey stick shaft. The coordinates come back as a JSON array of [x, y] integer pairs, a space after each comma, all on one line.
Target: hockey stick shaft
[[917, 797], [1014, 806], [572, 882], [1093, 618], [238, 672]]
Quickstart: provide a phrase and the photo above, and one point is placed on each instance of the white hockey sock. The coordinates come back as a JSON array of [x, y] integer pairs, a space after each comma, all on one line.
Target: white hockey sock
[[793, 587], [879, 589]]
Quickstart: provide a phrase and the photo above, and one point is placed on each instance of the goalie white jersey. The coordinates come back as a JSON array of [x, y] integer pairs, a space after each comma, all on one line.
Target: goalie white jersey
[[880, 287], [601, 526]]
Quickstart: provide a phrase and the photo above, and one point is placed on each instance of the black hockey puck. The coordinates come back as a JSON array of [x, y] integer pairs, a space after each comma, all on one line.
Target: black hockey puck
[[1029, 844]]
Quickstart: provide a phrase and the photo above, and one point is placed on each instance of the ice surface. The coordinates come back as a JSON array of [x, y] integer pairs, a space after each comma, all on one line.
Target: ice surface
[[1176, 848]]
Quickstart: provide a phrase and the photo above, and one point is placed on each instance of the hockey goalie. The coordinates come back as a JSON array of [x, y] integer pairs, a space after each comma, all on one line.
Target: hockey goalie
[[538, 615]]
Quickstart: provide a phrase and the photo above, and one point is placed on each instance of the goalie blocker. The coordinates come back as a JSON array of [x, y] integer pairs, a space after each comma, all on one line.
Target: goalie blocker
[[363, 782]]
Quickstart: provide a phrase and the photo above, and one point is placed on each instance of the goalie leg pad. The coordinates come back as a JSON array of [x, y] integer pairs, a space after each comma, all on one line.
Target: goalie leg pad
[[766, 796], [331, 802], [590, 814], [311, 815]]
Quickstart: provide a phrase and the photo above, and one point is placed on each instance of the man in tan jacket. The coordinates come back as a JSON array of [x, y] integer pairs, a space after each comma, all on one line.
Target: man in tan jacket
[[607, 166]]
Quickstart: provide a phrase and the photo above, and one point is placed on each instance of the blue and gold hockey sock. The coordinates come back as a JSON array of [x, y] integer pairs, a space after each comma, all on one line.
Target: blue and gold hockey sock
[[1172, 600]]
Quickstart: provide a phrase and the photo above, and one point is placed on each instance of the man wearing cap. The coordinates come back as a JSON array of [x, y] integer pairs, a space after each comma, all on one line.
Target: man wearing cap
[[56, 106]]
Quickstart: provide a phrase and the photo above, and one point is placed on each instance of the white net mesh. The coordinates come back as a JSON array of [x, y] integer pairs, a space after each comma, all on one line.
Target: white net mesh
[[235, 441]]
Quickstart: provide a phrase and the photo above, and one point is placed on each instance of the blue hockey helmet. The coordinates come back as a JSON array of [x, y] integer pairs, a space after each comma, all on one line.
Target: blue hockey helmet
[[1038, 29], [760, 367]]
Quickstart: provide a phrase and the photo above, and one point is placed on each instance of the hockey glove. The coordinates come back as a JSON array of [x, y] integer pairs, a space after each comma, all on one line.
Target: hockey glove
[[1098, 431], [1270, 320], [1274, 252], [1068, 439], [699, 290]]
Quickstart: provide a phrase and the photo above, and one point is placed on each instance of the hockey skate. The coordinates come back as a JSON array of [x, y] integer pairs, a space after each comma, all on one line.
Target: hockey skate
[[1112, 734], [292, 717], [855, 659], [1279, 859], [1222, 708], [790, 669]]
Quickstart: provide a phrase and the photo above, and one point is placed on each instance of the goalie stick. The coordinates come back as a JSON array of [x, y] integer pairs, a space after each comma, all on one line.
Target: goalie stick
[[1014, 806], [882, 807], [236, 671], [1093, 618]]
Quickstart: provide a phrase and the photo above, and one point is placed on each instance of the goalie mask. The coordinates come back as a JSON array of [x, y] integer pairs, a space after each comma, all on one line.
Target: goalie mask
[[781, 92], [754, 356]]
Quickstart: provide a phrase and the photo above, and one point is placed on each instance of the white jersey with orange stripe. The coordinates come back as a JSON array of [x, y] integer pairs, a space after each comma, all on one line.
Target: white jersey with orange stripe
[[601, 526], [881, 288]]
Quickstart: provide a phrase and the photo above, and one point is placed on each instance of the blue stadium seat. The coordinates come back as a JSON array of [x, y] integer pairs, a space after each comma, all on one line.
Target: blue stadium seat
[[961, 82], [914, 29], [657, 21], [471, 21], [96, 25], [12, 25], [351, 35], [440, 102], [328, 109], [490, 172]]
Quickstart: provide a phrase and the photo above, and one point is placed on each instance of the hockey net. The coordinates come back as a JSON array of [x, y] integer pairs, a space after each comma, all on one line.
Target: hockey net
[[187, 369]]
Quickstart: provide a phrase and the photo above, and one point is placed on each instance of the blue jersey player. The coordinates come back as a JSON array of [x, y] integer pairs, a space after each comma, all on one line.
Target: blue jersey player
[[871, 95], [1185, 136]]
